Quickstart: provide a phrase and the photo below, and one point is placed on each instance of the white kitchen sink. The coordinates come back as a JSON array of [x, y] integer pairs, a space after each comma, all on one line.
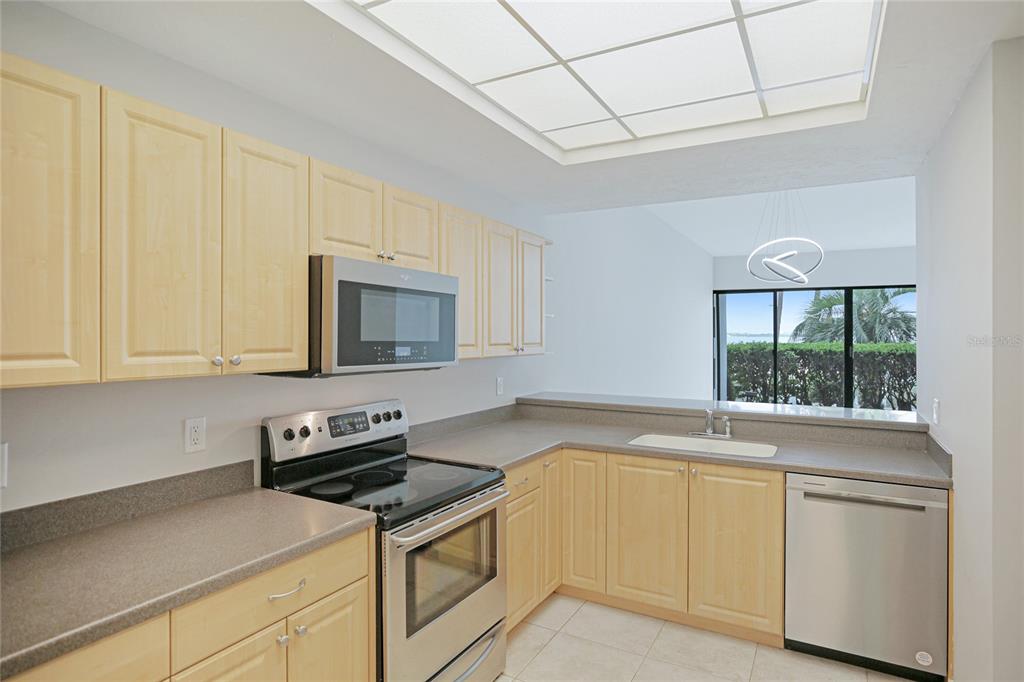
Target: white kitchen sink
[[695, 444]]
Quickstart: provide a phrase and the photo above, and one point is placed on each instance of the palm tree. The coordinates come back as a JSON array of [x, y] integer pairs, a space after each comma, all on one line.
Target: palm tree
[[877, 318]]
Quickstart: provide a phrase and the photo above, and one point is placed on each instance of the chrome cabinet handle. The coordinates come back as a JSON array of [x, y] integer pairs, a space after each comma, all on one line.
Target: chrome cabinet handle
[[218, 361], [273, 597], [693, 471], [682, 470], [526, 479], [236, 360], [301, 630], [382, 254], [391, 256], [282, 640], [547, 465]]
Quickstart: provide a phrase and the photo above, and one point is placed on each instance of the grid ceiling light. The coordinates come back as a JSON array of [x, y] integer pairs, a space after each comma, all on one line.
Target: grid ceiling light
[[587, 79]]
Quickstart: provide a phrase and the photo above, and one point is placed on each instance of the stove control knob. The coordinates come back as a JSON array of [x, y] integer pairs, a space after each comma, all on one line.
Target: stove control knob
[[375, 419], [397, 414], [387, 416], [304, 432], [288, 434]]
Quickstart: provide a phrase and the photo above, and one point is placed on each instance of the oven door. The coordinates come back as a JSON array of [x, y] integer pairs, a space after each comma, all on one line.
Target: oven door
[[444, 586], [389, 318]]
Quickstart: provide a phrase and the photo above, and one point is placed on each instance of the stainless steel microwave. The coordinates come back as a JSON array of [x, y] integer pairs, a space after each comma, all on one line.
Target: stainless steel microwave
[[372, 317]]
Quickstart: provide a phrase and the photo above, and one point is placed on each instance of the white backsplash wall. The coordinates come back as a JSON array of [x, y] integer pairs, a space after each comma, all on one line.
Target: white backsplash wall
[[72, 440]]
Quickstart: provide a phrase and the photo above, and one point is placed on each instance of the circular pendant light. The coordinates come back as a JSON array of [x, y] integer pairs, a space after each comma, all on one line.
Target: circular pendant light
[[784, 257]]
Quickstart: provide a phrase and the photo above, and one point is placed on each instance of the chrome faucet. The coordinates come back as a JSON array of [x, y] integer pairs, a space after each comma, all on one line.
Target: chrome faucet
[[709, 422], [709, 427]]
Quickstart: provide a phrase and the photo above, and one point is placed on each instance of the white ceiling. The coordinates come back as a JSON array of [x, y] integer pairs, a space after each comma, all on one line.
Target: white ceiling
[[865, 215], [291, 53], [592, 76]]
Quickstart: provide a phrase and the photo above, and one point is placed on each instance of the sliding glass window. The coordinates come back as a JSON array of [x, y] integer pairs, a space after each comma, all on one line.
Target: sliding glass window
[[853, 347]]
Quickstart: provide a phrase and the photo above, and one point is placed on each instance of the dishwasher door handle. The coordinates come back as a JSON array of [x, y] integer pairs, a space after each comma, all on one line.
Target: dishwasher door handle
[[854, 498]]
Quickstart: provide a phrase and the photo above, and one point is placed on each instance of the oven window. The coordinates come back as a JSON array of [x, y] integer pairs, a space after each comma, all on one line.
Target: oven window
[[441, 573]]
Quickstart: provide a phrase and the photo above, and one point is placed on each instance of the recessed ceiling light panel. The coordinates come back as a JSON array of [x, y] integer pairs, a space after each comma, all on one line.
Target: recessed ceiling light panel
[[477, 39], [576, 28], [700, 115], [590, 134], [813, 95], [545, 99], [814, 40], [693, 66]]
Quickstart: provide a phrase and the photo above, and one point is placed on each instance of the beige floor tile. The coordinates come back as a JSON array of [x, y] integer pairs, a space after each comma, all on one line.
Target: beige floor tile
[[505, 678], [659, 671], [524, 642], [567, 658], [630, 632], [709, 652], [555, 611], [773, 664]]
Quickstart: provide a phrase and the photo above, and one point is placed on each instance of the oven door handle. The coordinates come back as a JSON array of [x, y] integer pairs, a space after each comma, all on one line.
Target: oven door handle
[[401, 541]]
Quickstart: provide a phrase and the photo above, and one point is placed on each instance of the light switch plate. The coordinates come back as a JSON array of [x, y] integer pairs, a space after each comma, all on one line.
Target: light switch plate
[[935, 410], [195, 434], [3, 465], [499, 386]]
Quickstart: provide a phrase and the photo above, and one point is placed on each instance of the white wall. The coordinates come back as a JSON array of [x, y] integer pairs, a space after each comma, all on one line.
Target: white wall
[[856, 267], [969, 291], [632, 305], [73, 440]]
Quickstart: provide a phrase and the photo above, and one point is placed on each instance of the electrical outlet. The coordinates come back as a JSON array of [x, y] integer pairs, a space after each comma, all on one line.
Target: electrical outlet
[[935, 410], [499, 386], [3, 465], [195, 434]]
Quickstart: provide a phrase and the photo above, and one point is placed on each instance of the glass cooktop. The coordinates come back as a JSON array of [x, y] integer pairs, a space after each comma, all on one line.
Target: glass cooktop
[[401, 488]]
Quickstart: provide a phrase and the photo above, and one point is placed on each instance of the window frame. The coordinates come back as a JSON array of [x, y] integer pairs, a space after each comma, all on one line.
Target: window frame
[[716, 335]]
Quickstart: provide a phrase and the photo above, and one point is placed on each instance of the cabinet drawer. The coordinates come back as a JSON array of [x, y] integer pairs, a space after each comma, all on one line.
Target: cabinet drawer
[[223, 618], [523, 478], [139, 653]]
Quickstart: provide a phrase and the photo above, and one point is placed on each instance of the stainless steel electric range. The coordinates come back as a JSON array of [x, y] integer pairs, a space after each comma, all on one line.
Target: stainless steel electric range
[[440, 540]]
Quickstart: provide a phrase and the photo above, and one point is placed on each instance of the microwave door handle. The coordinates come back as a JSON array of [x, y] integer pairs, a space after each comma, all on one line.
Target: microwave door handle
[[401, 541]]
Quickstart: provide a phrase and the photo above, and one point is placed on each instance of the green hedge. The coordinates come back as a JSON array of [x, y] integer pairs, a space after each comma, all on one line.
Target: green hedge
[[812, 373]]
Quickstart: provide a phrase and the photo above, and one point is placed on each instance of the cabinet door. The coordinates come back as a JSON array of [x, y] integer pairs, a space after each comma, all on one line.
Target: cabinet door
[[411, 229], [345, 213], [161, 241], [262, 657], [647, 530], [330, 640], [266, 256], [50, 234], [737, 518], [583, 520], [462, 255], [551, 489], [530, 249], [500, 295], [523, 542]]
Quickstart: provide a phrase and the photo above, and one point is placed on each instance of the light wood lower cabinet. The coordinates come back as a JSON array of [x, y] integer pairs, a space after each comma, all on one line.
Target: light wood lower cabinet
[[330, 639], [266, 257], [50, 227], [737, 535], [262, 657], [523, 549], [583, 519], [551, 489], [647, 530]]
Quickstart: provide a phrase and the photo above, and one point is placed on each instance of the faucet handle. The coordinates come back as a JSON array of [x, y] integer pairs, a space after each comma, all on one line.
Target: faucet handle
[[728, 426]]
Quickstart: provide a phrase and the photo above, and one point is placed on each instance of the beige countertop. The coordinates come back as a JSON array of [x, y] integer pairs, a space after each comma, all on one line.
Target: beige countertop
[[507, 443], [805, 414], [65, 593]]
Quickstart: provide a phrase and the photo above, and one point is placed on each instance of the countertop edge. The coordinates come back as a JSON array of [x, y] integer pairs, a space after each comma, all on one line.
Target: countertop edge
[[25, 659], [735, 414]]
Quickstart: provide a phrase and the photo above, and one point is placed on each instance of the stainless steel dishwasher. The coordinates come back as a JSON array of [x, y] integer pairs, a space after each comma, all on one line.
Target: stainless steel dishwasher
[[866, 573]]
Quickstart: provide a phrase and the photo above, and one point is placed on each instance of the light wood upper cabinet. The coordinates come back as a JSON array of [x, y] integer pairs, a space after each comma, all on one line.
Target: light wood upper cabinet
[[737, 518], [647, 506], [50, 227], [411, 229], [263, 657], [524, 547], [551, 488], [330, 640], [345, 213], [462, 256], [583, 519], [161, 241], [266, 261], [500, 284], [138, 654], [530, 254]]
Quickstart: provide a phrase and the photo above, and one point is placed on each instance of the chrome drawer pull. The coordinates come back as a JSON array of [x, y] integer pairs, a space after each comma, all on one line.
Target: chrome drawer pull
[[301, 630], [302, 583], [526, 479], [282, 640]]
